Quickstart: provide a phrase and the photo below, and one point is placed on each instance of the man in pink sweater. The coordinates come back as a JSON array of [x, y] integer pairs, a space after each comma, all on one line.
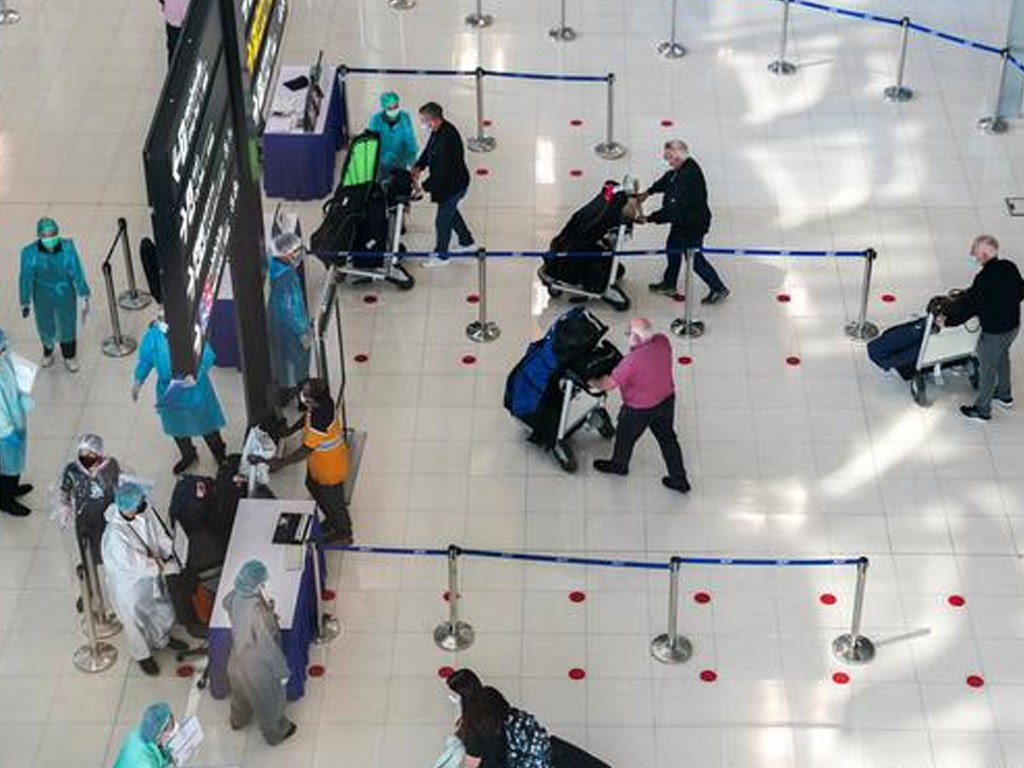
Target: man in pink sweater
[[174, 12], [644, 377]]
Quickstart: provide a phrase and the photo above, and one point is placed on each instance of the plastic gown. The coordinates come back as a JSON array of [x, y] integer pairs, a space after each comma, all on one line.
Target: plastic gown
[[197, 412], [135, 586], [53, 282], [14, 405], [288, 322], [397, 142]]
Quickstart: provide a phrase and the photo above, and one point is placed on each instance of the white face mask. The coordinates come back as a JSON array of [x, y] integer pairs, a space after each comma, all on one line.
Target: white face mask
[[162, 325], [454, 698], [425, 127]]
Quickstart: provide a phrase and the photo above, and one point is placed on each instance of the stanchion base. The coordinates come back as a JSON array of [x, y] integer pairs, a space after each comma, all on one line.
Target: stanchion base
[[105, 627], [10, 16], [692, 329], [330, 628], [454, 637], [480, 20], [670, 49], [140, 300], [562, 34], [853, 651], [782, 67], [95, 658], [861, 331], [481, 143], [993, 126], [114, 348], [477, 331], [610, 150], [401, 5], [898, 93], [667, 652]]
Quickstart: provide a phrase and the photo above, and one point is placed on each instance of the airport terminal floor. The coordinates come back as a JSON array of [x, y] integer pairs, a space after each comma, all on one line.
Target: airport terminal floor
[[796, 445]]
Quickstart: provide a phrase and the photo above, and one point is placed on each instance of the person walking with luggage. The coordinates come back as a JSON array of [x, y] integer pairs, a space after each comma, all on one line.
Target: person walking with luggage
[[644, 377], [994, 298], [52, 281], [447, 182], [684, 206]]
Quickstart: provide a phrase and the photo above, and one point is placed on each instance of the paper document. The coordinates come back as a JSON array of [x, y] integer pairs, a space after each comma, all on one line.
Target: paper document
[[24, 372], [186, 740]]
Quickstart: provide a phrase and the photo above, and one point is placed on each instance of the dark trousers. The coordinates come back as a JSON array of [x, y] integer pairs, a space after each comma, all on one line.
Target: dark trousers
[[448, 218], [8, 485], [89, 526], [68, 349], [173, 33], [213, 441], [331, 501], [566, 755], [994, 369], [676, 247], [659, 419]]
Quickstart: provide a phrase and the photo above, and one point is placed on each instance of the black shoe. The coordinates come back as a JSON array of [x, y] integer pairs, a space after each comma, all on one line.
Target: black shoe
[[610, 467], [680, 484], [24, 488], [79, 605], [663, 288], [917, 389], [716, 296], [971, 412], [149, 666], [1006, 403], [15, 508], [185, 462], [178, 645], [287, 734]]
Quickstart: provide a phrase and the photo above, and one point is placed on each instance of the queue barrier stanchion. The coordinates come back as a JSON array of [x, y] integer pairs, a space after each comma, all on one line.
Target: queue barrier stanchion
[[482, 329], [781, 66], [562, 33], [853, 647], [454, 634], [133, 298], [118, 344], [96, 655], [898, 92], [672, 48], [686, 325], [401, 5], [327, 626], [672, 648], [994, 124], [610, 149], [8, 15], [478, 19], [481, 142], [104, 622], [860, 328]]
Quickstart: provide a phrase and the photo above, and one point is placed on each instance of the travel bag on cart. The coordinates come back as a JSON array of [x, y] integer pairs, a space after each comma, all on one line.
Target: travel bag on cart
[[598, 363]]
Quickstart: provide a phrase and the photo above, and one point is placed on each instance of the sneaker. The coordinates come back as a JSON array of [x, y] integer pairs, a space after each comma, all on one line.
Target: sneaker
[[471, 248], [435, 261], [185, 462], [680, 484], [716, 296], [71, 364], [149, 666], [1006, 403], [662, 288], [971, 412], [15, 508], [609, 467], [47, 360]]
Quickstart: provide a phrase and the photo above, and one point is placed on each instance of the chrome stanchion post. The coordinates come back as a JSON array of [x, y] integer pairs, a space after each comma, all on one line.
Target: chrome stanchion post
[[481, 142], [672, 648], [686, 325], [116, 345], [860, 328], [133, 298], [482, 329], [899, 92], [104, 623], [8, 15], [853, 647], [994, 124], [327, 626], [479, 19], [401, 5], [562, 33], [672, 48], [610, 149], [454, 634], [95, 655], [780, 66]]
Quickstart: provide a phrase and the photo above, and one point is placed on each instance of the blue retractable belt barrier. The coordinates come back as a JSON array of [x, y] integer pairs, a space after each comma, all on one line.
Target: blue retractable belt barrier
[[591, 254], [420, 72]]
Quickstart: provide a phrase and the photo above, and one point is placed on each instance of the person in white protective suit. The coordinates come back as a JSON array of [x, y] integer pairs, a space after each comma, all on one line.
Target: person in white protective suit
[[137, 551]]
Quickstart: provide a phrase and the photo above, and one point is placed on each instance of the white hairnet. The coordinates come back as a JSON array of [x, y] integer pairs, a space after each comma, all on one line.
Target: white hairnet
[[90, 444], [286, 242]]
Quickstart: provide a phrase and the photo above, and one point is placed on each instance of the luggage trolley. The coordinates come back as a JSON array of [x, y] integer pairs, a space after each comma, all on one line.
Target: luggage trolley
[[950, 348], [594, 416]]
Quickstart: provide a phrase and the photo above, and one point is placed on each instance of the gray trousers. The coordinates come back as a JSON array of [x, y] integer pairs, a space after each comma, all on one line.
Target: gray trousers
[[994, 362]]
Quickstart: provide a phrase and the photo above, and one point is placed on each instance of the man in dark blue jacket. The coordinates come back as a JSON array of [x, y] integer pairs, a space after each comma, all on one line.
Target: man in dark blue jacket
[[448, 180]]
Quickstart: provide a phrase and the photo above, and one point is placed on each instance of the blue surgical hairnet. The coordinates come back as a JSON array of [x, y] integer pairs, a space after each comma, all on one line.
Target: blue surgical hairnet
[[154, 721], [129, 494], [388, 99], [250, 577], [46, 226]]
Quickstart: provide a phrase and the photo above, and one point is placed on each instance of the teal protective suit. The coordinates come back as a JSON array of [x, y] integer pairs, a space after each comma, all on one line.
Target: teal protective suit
[[288, 323], [136, 752], [13, 409], [194, 411], [397, 142], [52, 283]]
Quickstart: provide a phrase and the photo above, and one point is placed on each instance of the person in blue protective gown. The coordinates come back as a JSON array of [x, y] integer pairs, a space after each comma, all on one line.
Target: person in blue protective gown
[[14, 407], [145, 745], [398, 149], [287, 318], [257, 668], [192, 411], [52, 281]]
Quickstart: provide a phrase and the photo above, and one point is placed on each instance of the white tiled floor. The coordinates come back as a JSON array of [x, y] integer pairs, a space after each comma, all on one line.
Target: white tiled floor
[[829, 458]]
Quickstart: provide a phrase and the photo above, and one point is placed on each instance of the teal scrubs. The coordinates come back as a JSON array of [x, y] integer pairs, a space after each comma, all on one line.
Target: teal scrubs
[[287, 322], [53, 282], [136, 752], [398, 148]]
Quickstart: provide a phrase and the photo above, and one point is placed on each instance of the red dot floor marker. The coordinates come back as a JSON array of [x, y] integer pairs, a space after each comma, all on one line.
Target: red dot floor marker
[[678, 297], [827, 599], [575, 122], [468, 359], [575, 173], [708, 675], [888, 298], [185, 670], [685, 360], [316, 670], [486, 123], [840, 678], [577, 597], [482, 172], [701, 597], [447, 595], [793, 360], [783, 298], [445, 672], [369, 299], [328, 595], [361, 358], [577, 674], [975, 681], [666, 123], [473, 298], [957, 601]]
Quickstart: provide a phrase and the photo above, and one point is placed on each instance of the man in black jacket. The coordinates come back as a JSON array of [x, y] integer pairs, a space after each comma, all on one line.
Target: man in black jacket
[[994, 298], [448, 181], [684, 206]]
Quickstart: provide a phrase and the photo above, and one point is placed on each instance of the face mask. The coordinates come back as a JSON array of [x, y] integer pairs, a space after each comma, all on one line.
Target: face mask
[[50, 243], [89, 461], [162, 325], [392, 113], [168, 735], [425, 127], [454, 698]]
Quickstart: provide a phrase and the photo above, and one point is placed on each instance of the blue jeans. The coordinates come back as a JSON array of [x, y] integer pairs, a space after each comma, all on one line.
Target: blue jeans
[[448, 218], [676, 246]]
